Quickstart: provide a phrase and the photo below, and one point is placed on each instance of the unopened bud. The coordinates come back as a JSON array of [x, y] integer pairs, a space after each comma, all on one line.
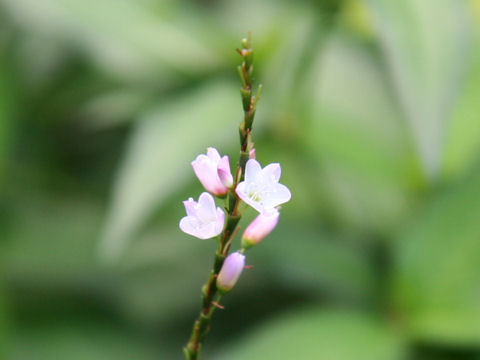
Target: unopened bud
[[231, 270], [252, 154], [259, 229]]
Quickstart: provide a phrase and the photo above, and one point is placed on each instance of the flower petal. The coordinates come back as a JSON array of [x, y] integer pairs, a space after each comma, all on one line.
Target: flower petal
[[252, 169], [280, 195], [257, 205], [213, 155], [224, 164], [220, 221], [206, 171], [225, 177], [241, 190], [187, 225], [190, 206], [207, 206], [272, 171], [208, 231], [224, 173]]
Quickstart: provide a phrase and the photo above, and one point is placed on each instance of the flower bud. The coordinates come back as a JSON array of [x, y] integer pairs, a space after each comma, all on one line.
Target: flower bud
[[231, 270], [252, 154], [259, 229]]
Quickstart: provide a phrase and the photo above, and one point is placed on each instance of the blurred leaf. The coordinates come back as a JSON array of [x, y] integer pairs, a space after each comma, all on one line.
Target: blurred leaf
[[475, 6], [4, 325], [52, 240], [114, 107], [50, 61], [357, 138], [288, 59], [158, 156], [163, 270], [463, 138], [437, 267], [355, 16], [301, 254], [7, 105], [425, 44], [235, 19], [79, 339], [320, 335], [127, 38]]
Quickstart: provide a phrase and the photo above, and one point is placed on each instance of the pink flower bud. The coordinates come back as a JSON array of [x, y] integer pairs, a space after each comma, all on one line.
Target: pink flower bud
[[206, 168], [259, 229], [252, 154], [231, 270]]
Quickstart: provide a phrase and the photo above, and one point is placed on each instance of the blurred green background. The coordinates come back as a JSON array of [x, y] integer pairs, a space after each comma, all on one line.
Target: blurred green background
[[373, 109]]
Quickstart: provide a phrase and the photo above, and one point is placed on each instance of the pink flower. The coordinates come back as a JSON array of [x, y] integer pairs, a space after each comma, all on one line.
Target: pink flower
[[208, 167], [231, 270], [204, 220], [261, 188], [259, 229]]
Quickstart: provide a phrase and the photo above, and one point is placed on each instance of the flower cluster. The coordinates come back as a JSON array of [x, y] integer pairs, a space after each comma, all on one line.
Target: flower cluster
[[259, 189]]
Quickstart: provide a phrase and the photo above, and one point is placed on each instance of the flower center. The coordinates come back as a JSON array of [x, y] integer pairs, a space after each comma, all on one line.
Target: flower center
[[202, 217], [258, 191]]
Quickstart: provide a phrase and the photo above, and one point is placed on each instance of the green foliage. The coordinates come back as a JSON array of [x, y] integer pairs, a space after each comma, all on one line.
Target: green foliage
[[356, 136], [369, 105], [464, 132], [78, 339], [327, 334], [437, 268], [424, 49]]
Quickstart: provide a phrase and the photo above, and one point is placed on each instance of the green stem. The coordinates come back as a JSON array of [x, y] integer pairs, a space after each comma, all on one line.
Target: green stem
[[202, 324], [232, 202], [249, 101]]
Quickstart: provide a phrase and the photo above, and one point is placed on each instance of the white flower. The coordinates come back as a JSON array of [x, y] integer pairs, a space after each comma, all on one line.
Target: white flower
[[204, 220], [261, 189]]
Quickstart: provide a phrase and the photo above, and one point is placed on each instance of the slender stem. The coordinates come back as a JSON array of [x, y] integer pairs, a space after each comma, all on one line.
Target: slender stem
[[202, 324], [249, 101]]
